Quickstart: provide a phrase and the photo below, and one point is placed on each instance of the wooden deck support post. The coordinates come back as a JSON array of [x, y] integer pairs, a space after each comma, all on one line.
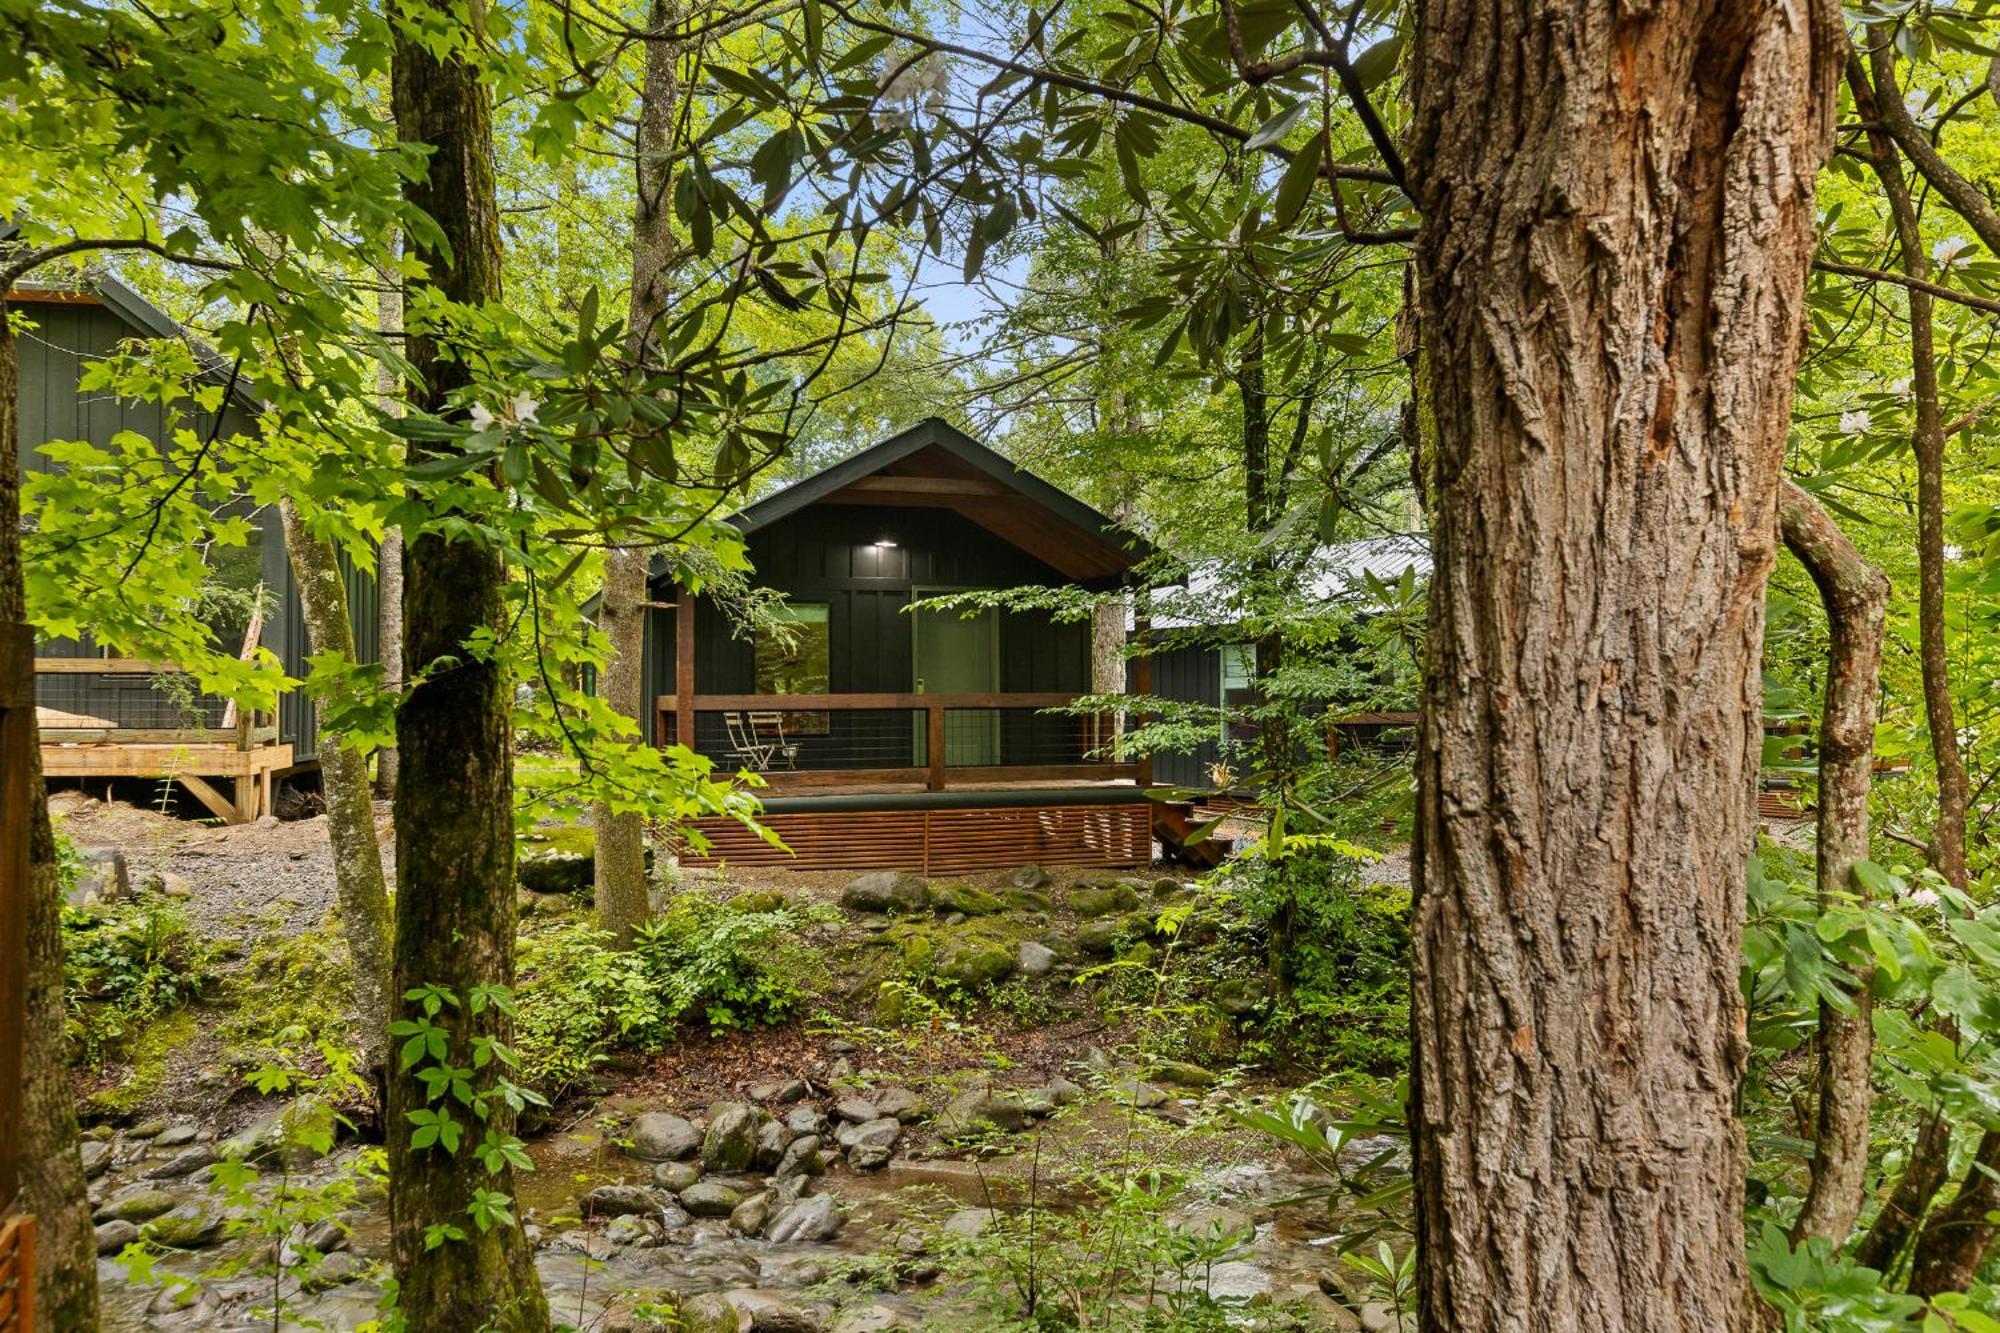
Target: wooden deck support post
[[684, 668], [1142, 676]]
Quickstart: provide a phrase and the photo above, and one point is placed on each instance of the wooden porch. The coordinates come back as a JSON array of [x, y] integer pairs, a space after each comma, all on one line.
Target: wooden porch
[[243, 751]]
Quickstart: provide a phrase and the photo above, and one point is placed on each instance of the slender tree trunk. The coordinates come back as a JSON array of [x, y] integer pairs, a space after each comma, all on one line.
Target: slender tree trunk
[[1953, 1246], [51, 1169], [621, 848], [454, 799], [350, 810], [389, 561], [1903, 1213], [1948, 1247], [1856, 597], [1617, 222]]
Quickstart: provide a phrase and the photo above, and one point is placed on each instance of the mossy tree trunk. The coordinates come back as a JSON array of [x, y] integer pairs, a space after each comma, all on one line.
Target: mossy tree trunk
[[350, 811], [454, 796], [50, 1167]]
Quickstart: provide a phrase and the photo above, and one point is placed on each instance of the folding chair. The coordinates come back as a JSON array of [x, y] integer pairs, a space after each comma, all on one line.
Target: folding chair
[[744, 747], [788, 750]]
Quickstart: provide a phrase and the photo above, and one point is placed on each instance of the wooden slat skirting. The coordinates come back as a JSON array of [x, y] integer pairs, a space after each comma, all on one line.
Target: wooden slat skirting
[[938, 841], [17, 1273]]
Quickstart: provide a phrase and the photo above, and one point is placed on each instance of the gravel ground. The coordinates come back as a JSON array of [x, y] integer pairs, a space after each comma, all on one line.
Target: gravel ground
[[271, 876]]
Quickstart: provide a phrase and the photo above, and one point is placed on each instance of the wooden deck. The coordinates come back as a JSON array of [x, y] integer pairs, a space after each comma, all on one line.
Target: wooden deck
[[937, 841], [246, 755]]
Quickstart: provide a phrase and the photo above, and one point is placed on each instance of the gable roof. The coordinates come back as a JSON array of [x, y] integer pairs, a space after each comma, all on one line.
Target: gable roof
[[933, 464]]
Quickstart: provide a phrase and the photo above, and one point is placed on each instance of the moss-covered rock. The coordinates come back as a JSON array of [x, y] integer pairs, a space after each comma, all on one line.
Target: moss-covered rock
[[149, 1052], [976, 964], [1029, 900], [891, 891], [1181, 1074], [1095, 900], [187, 1226], [965, 898], [757, 900], [1028, 877], [555, 871]]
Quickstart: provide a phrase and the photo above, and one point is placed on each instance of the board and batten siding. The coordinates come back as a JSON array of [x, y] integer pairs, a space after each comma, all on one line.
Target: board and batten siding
[[831, 553], [63, 338]]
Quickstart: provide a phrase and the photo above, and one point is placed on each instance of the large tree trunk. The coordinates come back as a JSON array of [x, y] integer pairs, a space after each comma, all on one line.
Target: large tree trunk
[[1856, 597], [1617, 221], [51, 1170], [454, 799], [350, 810], [621, 849]]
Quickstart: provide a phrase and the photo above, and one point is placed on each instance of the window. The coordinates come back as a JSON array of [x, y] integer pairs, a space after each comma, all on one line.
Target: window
[[793, 657], [1239, 673]]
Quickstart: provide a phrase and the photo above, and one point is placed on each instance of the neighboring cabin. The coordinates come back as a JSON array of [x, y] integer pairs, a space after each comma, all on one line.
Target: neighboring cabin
[[1206, 659], [104, 717]]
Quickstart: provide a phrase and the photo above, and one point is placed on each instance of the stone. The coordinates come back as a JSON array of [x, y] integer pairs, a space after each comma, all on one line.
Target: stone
[[731, 1141], [1035, 959], [555, 871], [1239, 997], [619, 1201], [1028, 877], [184, 1163], [674, 1177], [167, 883], [135, 1203], [968, 1223], [104, 878], [1213, 1222], [979, 1109], [772, 1139], [779, 1090], [976, 964], [115, 1235], [876, 1318], [1134, 1092], [757, 900], [790, 1271], [881, 1132], [858, 1110], [748, 1217], [806, 1120], [801, 1158], [659, 1136], [178, 1134], [1035, 1101], [193, 1225], [710, 1198], [593, 1245], [147, 1129], [335, 1270], [815, 1218], [1182, 1074], [901, 1103], [746, 1311], [1095, 900], [965, 900], [1099, 938], [630, 1229], [1063, 1092], [891, 891], [1029, 900], [267, 1138], [96, 1158]]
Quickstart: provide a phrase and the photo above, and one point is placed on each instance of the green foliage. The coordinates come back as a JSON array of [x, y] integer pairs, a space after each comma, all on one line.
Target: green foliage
[[292, 989], [698, 964], [126, 966], [1338, 949]]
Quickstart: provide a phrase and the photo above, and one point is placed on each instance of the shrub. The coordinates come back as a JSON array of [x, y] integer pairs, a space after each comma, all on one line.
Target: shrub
[[1338, 951], [700, 962], [127, 965]]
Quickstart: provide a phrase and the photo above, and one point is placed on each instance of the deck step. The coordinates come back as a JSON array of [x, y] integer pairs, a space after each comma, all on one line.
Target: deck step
[[1174, 823]]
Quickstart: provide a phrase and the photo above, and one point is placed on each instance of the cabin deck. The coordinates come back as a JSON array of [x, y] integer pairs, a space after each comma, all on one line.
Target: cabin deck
[[139, 739]]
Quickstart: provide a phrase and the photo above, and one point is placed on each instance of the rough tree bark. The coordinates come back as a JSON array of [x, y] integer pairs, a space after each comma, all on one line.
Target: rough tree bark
[[358, 881], [1953, 1246], [389, 561], [1617, 222], [1856, 597], [622, 904], [454, 801], [51, 1170]]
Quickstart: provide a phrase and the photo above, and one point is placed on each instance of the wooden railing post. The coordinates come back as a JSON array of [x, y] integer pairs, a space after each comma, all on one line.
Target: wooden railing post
[[684, 668], [934, 743], [1142, 682]]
